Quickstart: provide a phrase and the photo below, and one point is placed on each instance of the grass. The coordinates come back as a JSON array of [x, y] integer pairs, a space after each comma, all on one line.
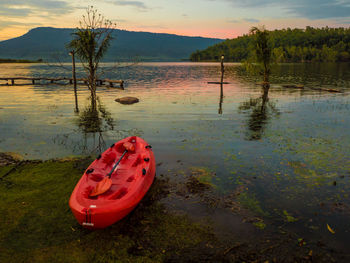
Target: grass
[[37, 224]]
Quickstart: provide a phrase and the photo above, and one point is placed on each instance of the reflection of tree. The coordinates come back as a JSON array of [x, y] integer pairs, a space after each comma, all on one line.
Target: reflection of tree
[[94, 125], [95, 121], [261, 110]]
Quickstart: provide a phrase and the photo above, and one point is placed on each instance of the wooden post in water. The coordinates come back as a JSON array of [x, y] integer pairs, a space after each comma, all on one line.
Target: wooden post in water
[[72, 53], [222, 84], [222, 69]]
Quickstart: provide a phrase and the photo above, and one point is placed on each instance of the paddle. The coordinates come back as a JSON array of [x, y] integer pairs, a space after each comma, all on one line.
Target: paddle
[[106, 182]]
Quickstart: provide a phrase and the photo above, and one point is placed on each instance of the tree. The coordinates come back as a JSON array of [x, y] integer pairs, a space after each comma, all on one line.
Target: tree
[[299, 45], [90, 42], [263, 50]]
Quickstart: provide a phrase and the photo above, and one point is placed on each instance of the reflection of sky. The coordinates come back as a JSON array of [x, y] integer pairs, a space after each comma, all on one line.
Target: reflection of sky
[[211, 18], [174, 98]]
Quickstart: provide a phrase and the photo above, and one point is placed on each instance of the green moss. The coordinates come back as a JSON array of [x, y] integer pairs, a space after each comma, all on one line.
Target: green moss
[[41, 228], [204, 175], [288, 217], [260, 224], [250, 202]]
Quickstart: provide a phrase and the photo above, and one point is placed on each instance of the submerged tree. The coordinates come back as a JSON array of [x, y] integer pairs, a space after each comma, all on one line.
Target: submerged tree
[[262, 51], [260, 111], [90, 42]]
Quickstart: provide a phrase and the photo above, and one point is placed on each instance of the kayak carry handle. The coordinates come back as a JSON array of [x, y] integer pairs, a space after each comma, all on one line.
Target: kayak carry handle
[[89, 171], [146, 159], [148, 147], [144, 171]]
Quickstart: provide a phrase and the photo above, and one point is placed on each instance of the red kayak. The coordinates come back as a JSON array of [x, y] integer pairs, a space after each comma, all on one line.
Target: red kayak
[[131, 180]]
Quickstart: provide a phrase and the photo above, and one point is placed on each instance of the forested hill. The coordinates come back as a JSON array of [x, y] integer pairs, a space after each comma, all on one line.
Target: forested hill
[[288, 45], [50, 44]]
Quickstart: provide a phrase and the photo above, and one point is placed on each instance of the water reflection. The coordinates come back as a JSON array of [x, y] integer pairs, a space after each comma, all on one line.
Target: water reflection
[[260, 110], [221, 98], [94, 121]]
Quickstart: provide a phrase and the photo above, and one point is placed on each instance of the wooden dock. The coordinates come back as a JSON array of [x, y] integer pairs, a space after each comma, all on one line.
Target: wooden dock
[[99, 82]]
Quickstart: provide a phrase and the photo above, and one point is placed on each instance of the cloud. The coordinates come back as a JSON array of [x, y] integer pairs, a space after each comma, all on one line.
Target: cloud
[[137, 4], [236, 21], [120, 20], [158, 26], [251, 20], [14, 12], [344, 21], [311, 9], [321, 9], [253, 3], [22, 8], [233, 21], [7, 23]]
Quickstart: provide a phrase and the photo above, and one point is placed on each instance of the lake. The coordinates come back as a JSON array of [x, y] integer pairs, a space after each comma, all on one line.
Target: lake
[[284, 155]]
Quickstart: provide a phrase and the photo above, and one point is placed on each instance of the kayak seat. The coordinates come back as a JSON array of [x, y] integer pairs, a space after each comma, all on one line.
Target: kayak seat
[[109, 158], [137, 161], [96, 177], [130, 179], [119, 194]]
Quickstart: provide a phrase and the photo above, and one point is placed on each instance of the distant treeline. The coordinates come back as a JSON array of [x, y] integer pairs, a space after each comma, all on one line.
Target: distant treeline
[[7, 60], [288, 45]]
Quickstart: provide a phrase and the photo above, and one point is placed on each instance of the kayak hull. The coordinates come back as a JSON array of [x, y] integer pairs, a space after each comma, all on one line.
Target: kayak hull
[[130, 182]]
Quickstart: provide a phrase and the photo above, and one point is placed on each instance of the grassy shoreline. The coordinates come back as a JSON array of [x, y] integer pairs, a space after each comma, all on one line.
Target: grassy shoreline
[[38, 226]]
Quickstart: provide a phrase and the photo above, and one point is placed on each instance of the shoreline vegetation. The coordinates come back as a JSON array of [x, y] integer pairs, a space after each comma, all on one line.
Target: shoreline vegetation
[[8, 60], [288, 46], [40, 227]]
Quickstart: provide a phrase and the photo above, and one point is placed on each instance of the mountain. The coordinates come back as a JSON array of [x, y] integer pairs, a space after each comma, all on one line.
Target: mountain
[[50, 44], [288, 45]]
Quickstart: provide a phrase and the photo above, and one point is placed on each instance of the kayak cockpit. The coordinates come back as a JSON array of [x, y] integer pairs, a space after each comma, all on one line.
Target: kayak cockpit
[[130, 170]]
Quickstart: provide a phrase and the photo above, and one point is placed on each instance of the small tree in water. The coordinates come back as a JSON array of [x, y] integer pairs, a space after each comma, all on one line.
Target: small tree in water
[[263, 51], [90, 42]]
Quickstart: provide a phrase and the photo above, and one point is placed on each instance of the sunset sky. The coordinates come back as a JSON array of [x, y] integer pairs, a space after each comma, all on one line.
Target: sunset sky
[[209, 18]]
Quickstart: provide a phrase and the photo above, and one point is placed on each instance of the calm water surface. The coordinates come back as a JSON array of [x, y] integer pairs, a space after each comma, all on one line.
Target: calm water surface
[[288, 149]]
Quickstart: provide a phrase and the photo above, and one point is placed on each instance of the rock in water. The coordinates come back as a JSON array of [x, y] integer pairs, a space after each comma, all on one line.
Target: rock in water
[[127, 100]]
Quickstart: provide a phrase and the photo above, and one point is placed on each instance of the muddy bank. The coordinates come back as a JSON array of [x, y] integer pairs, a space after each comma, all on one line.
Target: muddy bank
[[177, 221]]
